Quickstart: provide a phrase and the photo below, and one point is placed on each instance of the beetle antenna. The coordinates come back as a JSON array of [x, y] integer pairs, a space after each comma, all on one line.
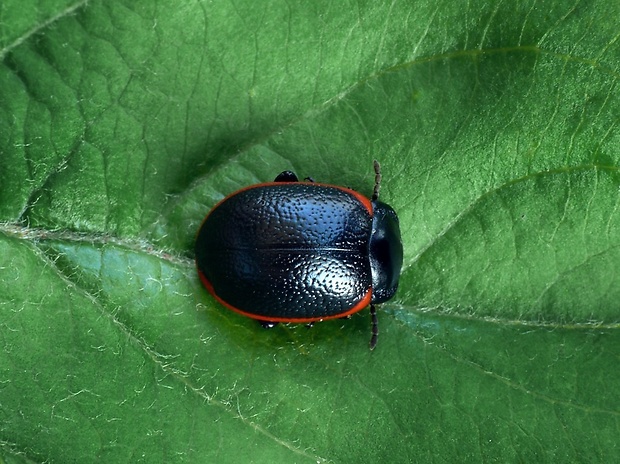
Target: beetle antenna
[[375, 192], [375, 327]]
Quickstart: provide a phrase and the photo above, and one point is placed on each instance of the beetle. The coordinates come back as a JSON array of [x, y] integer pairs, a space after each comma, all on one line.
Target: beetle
[[300, 251]]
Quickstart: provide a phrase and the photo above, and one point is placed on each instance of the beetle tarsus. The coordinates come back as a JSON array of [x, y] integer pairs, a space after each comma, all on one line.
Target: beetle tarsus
[[374, 327], [268, 324], [286, 176]]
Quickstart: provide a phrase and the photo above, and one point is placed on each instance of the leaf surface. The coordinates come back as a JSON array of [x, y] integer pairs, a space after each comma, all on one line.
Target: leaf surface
[[123, 123]]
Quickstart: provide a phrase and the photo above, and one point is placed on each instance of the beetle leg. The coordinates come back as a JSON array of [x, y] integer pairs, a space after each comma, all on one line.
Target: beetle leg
[[268, 324], [309, 179], [375, 327], [286, 176], [309, 325], [375, 192]]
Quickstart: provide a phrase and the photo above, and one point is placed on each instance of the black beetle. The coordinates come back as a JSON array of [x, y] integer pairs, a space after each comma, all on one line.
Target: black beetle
[[290, 251]]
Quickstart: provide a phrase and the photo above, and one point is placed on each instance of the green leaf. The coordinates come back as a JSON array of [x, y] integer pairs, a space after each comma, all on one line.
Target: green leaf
[[496, 127]]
